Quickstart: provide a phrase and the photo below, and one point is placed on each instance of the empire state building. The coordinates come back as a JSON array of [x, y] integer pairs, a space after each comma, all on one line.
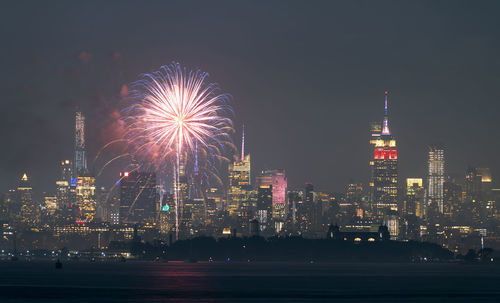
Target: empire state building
[[384, 183]]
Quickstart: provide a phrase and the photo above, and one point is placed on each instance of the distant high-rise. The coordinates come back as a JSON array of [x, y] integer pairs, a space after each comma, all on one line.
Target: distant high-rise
[[80, 157], [82, 181], [415, 198], [239, 182], [488, 205], [304, 206], [452, 198], [64, 193], [310, 210], [28, 210], [25, 191], [436, 177], [264, 205], [384, 164], [138, 197], [309, 193], [66, 171], [85, 199], [277, 179], [354, 192], [478, 185]]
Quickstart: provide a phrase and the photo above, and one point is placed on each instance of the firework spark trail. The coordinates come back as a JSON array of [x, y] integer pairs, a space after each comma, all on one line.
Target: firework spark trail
[[118, 182], [110, 161], [101, 151], [176, 112], [137, 196]]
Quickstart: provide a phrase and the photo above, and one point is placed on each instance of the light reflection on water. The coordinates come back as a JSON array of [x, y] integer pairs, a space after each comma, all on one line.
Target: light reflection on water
[[238, 282]]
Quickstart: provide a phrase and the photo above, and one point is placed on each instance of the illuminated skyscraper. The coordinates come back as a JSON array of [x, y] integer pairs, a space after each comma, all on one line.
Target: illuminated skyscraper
[[25, 191], [65, 196], [384, 168], [85, 199], [277, 179], [487, 202], [436, 177], [29, 214], [80, 157], [264, 205], [415, 198], [82, 182], [239, 183]]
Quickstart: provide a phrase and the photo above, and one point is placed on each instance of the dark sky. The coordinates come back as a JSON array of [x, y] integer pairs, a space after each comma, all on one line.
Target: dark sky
[[306, 78]]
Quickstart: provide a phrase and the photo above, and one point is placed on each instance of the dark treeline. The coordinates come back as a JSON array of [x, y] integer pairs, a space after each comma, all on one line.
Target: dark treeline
[[303, 250]]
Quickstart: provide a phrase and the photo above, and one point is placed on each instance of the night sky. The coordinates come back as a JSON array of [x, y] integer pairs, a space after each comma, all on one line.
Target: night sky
[[306, 78]]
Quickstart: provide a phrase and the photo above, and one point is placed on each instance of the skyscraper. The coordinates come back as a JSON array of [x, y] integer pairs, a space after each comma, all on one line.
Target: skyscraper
[[384, 168], [415, 198], [138, 197], [239, 182], [66, 171], [29, 213], [264, 205], [83, 182], [478, 193], [452, 198], [277, 179], [436, 177], [487, 202], [80, 157], [65, 196], [25, 191], [305, 206], [85, 198]]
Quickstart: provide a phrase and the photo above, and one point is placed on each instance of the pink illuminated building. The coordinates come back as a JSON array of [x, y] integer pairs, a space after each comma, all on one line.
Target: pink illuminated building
[[277, 179]]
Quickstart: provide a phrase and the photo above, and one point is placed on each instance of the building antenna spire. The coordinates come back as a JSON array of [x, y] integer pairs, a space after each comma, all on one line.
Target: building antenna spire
[[243, 144], [196, 158], [385, 104], [385, 125]]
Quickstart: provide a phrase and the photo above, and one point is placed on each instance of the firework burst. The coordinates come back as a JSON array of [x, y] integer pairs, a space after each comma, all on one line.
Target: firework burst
[[174, 115]]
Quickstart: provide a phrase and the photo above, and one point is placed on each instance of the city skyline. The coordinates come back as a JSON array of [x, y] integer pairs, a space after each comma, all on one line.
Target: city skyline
[[250, 150], [278, 120], [138, 197], [79, 151]]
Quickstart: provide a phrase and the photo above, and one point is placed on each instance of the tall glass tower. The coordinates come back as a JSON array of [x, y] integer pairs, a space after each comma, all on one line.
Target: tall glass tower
[[436, 177], [239, 182]]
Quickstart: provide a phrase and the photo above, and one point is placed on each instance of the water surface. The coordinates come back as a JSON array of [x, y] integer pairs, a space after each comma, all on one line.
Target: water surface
[[246, 282]]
